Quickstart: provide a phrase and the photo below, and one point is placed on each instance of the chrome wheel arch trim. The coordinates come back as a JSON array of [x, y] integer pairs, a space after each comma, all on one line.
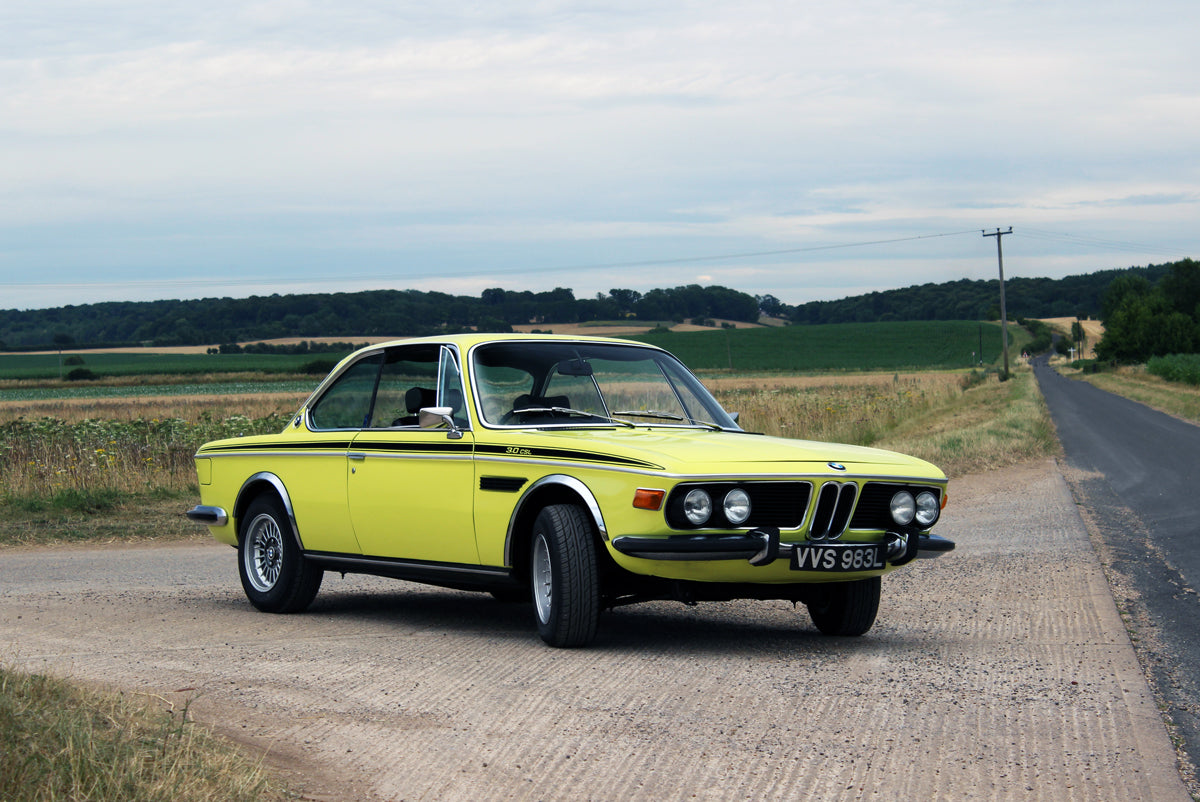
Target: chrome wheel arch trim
[[277, 483], [569, 482]]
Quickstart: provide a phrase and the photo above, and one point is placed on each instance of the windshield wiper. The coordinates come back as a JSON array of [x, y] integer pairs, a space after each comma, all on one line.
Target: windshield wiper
[[570, 411], [649, 413], [654, 413]]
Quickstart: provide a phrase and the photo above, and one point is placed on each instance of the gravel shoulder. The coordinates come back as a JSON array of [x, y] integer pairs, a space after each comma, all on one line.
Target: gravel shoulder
[[1001, 671]]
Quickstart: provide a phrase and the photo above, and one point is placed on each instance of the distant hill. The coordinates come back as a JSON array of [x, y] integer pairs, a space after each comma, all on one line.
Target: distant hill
[[354, 316], [965, 299]]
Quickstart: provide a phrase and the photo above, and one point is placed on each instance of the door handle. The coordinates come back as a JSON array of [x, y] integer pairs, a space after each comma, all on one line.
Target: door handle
[[357, 456]]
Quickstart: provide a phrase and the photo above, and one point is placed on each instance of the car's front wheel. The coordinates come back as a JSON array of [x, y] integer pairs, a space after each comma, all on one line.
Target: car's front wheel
[[565, 583], [846, 608], [275, 575]]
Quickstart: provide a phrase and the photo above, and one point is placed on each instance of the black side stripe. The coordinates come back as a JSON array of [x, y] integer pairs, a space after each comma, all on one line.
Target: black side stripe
[[438, 447], [566, 454]]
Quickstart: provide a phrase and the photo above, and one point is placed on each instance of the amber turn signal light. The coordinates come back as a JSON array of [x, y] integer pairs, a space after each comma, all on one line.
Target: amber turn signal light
[[645, 499]]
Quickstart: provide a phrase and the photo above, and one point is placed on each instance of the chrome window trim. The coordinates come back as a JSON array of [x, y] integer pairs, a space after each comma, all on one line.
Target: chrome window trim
[[383, 348], [486, 424]]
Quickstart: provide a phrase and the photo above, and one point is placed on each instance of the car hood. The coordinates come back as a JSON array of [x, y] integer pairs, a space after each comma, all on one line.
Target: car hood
[[702, 451]]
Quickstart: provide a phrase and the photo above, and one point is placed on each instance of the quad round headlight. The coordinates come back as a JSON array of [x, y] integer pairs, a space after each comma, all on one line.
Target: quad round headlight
[[737, 506], [697, 506], [927, 508], [903, 508]]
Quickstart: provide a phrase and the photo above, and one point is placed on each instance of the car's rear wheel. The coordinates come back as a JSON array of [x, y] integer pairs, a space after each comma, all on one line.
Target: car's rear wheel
[[846, 608], [563, 576], [275, 575]]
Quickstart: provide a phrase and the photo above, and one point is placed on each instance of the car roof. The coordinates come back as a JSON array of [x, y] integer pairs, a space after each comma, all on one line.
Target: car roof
[[470, 339]]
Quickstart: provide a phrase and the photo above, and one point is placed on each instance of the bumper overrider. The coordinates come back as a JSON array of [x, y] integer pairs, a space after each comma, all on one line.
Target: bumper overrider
[[209, 516], [762, 546]]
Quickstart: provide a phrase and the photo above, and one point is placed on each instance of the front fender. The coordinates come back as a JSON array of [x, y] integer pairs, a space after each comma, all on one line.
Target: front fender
[[551, 489], [259, 483]]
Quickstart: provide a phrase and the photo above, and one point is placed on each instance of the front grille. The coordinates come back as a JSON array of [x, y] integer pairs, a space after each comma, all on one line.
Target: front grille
[[874, 508], [834, 505], [779, 504]]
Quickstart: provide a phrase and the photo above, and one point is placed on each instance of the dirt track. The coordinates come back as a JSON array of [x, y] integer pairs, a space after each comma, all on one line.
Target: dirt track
[[1001, 671]]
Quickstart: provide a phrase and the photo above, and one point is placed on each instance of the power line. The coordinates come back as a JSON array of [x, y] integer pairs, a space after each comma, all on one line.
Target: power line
[[185, 282], [1096, 242]]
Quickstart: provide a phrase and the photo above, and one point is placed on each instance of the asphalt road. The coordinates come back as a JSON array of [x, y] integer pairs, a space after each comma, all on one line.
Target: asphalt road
[[1136, 473], [1000, 671]]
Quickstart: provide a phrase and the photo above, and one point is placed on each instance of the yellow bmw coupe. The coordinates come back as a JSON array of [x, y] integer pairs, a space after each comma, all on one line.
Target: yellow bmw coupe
[[578, 473]]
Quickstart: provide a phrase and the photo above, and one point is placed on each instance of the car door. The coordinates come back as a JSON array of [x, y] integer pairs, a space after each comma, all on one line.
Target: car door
[[314, 467], [411, 488]]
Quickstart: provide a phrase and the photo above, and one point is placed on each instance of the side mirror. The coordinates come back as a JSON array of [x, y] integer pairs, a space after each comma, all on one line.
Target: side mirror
[[435, 417], [734, 415]]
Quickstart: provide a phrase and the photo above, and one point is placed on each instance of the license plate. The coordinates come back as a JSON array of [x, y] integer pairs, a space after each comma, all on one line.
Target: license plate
[[839, 557]]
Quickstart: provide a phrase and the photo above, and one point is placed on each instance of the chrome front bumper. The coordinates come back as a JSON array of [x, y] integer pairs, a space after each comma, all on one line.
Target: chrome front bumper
[[208, 516], [762, 546]]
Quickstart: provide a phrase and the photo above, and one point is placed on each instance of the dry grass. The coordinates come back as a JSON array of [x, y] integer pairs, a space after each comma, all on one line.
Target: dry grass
[[991, 426], [960, 422], [1134, 383], [100, 518], [104, 469], [845, 409], [62, 742]]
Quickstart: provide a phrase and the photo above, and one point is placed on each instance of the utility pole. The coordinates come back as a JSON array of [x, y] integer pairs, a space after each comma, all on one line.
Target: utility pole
[[1003, 309]]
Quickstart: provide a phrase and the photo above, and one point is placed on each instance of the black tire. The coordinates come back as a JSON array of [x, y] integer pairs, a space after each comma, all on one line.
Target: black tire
[[563, 576], [275, 575], [846, 608]]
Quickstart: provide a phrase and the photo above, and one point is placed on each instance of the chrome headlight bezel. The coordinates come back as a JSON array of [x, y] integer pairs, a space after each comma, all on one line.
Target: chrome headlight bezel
[[736, 506], [928, 509], [903, 508], [697, 506]]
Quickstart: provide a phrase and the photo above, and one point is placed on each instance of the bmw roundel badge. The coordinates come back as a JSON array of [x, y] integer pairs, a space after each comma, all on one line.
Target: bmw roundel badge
[[837, 466]]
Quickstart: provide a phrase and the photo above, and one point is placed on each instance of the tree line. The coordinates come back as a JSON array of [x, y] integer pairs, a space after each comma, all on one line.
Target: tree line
[[1079, 296], [358, 314], [1145, 319], [1147, 311]]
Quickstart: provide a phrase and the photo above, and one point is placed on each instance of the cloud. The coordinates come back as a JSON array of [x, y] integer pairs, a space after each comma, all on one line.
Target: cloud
[[282, 137]]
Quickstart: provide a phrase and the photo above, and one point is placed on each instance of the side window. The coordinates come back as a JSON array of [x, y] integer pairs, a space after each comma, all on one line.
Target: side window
[[407, 383], [346, 404], [450, 388]]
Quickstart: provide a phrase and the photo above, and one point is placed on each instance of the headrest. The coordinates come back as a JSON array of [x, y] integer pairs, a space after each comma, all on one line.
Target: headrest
[[419, 397]]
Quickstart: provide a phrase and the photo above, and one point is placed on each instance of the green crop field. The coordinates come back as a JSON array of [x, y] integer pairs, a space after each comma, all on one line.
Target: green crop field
[[907, 345], [47, 366], [912, 345], [100, 390]]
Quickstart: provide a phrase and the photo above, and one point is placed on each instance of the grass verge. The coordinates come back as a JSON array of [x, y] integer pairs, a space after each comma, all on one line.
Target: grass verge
[[991, 425], [62, 742], [98, 518], [1134, 383]]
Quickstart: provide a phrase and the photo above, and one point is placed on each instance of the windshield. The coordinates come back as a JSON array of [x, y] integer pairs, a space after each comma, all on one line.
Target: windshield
[[523, 383]]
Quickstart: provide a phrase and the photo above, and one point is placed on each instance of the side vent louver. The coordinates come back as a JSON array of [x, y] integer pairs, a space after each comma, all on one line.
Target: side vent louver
[[501, 484]]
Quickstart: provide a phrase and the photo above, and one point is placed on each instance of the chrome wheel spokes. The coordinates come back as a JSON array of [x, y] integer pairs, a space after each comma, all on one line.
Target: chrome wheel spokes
[[265, 555], [543, 578]]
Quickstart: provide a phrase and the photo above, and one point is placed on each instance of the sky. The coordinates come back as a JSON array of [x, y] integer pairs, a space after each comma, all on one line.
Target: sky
[[809, 150]]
